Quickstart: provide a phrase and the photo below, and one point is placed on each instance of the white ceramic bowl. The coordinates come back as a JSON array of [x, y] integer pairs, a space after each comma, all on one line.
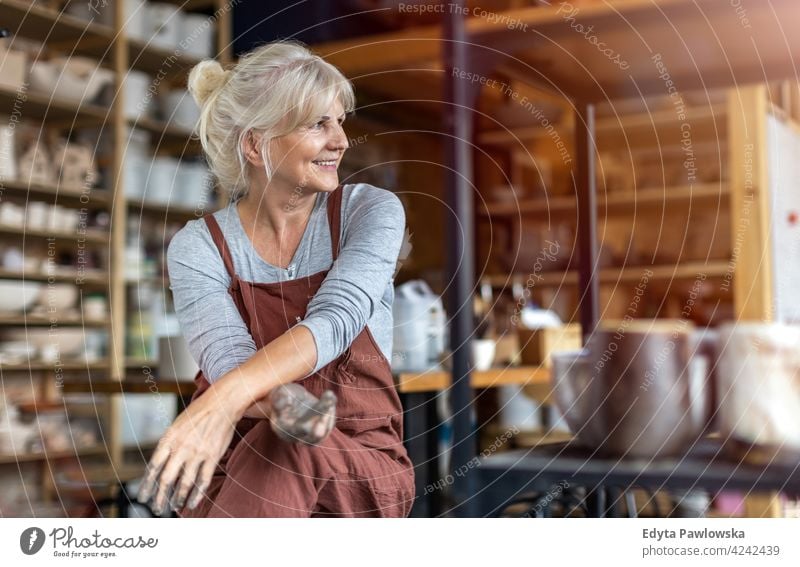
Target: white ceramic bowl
[[58, 296], [16, 296], [68, 342], [76, 79]]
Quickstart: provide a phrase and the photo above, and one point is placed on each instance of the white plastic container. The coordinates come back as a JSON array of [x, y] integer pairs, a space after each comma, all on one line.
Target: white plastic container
[[180, 110], [197, 33], [193, 185], [135, 19], [161, 180], [8, 160], [137, 98], [419, 327], [164, 24]]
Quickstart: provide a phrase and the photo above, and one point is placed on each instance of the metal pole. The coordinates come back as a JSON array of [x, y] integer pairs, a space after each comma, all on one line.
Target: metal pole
[[587, 216], [460, 250]]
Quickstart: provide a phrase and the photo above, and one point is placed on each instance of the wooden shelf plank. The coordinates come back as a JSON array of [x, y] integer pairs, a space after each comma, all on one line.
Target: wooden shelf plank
[[91, 235], [52, 111], [165, 209], [36, 365], [436, 380], [682, 271], [611, 203], [8, 459], [90, 198], [131, 362], [90, 277], [145, 56], [168, 136], [162, 281], [44, 320], [182, 388]]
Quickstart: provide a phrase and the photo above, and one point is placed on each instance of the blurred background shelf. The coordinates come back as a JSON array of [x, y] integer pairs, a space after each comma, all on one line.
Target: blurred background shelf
[[13, 459]]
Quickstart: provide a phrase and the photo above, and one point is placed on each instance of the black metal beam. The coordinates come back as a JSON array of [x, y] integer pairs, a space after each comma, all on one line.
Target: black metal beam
[[586, 189], [458, 116]]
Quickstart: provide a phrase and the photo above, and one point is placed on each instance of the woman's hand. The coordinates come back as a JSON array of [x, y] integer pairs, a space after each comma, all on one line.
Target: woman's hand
[[188, 453]]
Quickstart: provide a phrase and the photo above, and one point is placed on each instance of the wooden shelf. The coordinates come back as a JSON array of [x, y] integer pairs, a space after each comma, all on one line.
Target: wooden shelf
[[53, 455], [91, 235], [44, 321], [131, 362], [165, 209], [142, 447], [169, 137], [624, 131], [35, 365], [144, 56], [77, 196], [436, 380], [90, 277], [182, 388], [62, 31], [189, 5], [162, 281], [54, 112], [109, 45], [629, 274], [612, 203]]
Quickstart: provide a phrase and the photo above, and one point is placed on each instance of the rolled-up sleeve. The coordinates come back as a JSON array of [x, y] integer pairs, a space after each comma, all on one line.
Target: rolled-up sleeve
[[346, 300], [216, 334]]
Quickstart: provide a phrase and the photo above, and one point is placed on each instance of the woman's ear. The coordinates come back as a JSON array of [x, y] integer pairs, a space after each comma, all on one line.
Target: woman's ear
[[252, 148]]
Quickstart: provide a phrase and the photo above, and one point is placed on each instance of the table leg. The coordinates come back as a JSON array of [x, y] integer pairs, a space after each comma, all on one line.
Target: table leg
[[421, 432]]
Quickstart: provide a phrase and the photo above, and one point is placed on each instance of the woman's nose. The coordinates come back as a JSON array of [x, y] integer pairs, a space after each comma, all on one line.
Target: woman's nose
[[338, 139]]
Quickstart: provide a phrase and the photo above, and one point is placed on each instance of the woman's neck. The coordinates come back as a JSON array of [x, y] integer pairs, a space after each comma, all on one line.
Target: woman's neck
[[276, 210]]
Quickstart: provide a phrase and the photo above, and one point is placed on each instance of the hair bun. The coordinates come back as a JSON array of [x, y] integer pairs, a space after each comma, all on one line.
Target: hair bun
[[206, 78]]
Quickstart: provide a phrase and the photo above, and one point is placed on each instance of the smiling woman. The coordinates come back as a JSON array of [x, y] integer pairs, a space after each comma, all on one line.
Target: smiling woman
[[285, 299]]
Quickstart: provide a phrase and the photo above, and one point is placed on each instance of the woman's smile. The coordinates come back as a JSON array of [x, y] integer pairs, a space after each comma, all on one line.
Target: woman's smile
[[327, 165]]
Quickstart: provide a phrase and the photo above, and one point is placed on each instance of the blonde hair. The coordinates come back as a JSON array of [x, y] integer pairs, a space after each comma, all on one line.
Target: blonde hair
[[273, 89]]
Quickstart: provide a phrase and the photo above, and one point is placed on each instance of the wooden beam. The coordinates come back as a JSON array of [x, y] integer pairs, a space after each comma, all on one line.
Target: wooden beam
[[749, 187], [396, 50]]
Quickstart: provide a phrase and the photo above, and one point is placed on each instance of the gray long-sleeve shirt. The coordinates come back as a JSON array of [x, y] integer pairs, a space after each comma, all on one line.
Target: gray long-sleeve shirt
[[358, 290]]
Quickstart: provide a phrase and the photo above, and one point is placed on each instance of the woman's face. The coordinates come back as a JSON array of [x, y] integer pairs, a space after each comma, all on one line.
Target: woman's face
[[309, 157]]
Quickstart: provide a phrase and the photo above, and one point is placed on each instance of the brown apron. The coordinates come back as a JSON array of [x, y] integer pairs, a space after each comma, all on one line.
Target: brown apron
[[361, 469]]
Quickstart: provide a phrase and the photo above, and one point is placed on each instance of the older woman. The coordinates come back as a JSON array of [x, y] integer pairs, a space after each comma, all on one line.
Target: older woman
[[284, 297]]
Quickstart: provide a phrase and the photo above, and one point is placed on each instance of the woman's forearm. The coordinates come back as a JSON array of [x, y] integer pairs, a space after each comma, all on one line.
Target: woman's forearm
[[291, 356]]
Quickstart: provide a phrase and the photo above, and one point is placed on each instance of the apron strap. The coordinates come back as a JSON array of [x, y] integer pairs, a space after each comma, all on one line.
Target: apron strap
[[222, 245], [335, 219]]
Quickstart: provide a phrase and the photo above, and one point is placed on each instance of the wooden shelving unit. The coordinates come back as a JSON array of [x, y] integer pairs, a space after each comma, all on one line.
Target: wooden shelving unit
[[112, 48]]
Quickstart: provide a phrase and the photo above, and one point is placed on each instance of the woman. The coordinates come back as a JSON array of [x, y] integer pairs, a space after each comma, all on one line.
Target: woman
[[284, 296]]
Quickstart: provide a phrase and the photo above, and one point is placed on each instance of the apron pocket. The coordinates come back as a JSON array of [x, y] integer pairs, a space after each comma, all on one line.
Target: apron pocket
[[374, 432]]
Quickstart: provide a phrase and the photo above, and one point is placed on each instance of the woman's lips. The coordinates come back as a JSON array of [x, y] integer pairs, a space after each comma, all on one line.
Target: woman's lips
[[327, 165]]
